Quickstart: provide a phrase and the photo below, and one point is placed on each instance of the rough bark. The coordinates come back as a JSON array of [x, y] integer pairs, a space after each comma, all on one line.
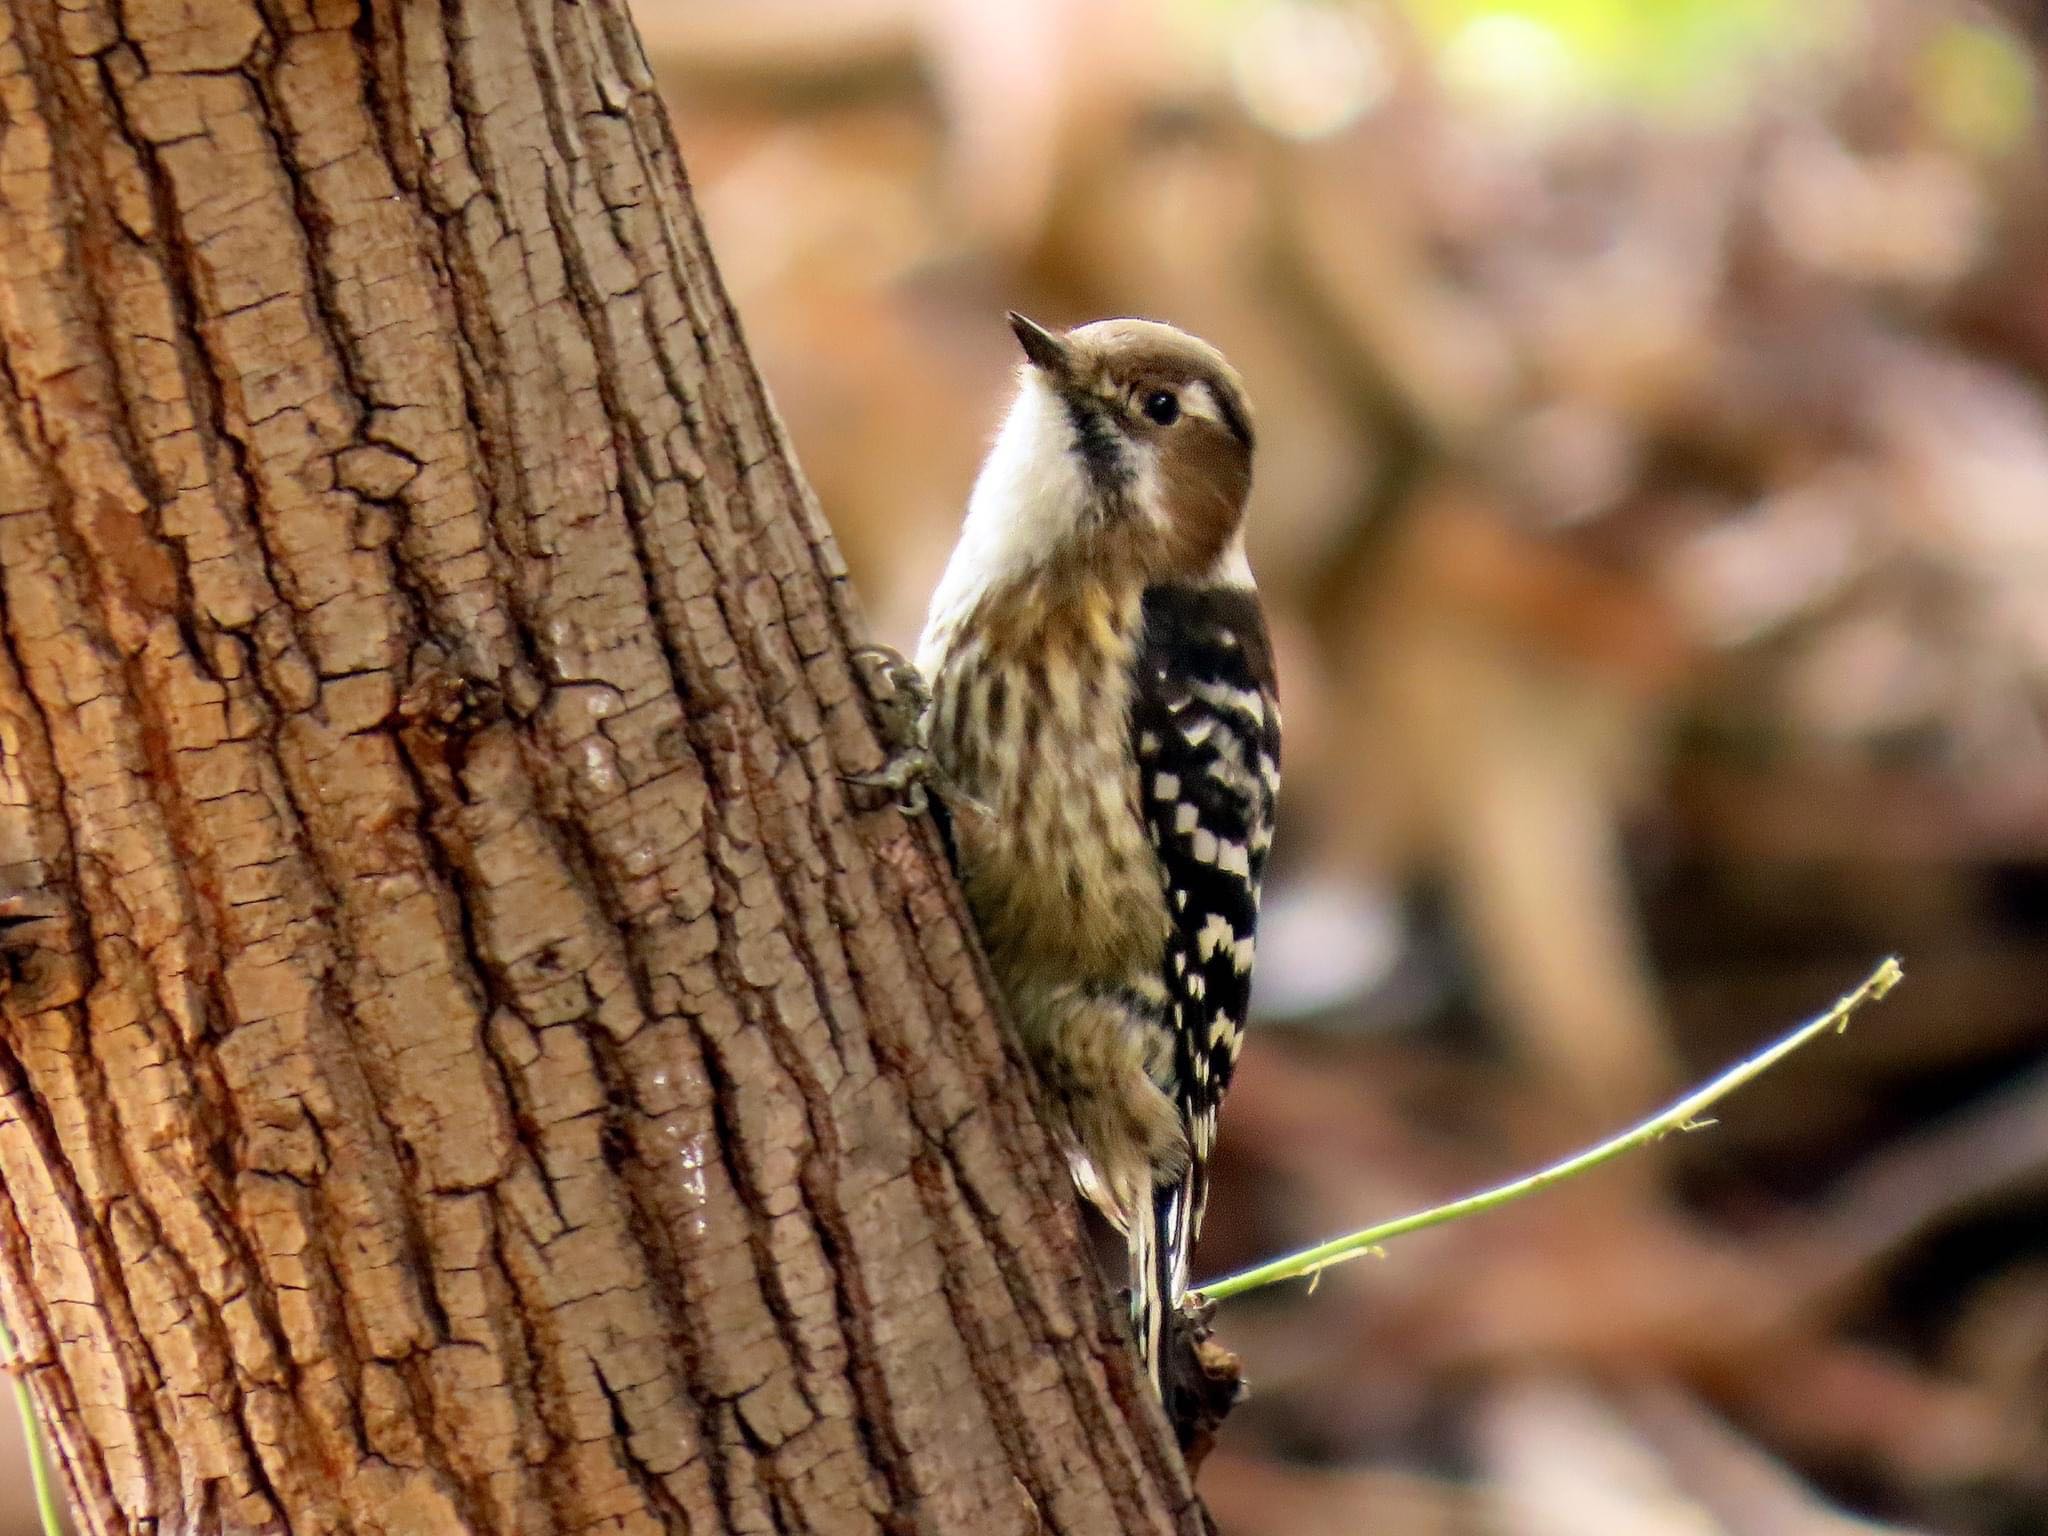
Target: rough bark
[[477, 1073]]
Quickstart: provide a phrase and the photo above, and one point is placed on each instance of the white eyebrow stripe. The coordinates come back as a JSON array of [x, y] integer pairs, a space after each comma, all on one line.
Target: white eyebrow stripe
[[1198, 398]]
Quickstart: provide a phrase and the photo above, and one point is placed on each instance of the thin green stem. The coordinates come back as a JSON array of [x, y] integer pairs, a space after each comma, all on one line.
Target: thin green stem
[[48, 1510], [1681, 1115]]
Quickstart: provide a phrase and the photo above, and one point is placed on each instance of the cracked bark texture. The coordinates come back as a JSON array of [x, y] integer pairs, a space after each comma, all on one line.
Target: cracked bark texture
[[479, 1074]]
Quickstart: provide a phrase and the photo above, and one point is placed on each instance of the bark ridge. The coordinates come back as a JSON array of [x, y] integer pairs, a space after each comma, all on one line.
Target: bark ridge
[[481, 1076]]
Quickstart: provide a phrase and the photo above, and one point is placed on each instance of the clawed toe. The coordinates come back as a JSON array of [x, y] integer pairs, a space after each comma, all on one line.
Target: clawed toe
[[908, 693], [899, 721], [904, 776]]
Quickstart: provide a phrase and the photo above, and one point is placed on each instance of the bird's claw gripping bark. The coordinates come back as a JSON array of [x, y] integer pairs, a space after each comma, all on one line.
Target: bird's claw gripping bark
[[901, 708], [907, 776], [911, 774], [911, 771]]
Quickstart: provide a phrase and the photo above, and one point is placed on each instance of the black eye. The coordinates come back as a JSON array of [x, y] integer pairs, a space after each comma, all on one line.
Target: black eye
[[1163, 406]]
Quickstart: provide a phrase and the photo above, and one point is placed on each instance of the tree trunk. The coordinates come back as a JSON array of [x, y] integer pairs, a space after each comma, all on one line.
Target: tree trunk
[[477, 1074]]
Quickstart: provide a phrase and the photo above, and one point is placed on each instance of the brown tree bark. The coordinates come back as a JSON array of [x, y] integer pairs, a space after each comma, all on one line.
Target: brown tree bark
[[477, 1074]]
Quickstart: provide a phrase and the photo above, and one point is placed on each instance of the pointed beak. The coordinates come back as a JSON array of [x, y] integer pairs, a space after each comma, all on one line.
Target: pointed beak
[[1048, 353]]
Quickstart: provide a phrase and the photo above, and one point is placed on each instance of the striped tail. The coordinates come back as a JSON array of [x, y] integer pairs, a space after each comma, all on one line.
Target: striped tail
[[1160, 1242]]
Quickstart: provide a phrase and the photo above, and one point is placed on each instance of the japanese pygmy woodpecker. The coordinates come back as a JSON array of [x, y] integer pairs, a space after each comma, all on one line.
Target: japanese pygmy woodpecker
[[1106, 730]]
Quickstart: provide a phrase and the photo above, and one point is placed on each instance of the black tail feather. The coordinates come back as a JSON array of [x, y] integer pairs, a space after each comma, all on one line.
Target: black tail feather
[[1160, 1240]]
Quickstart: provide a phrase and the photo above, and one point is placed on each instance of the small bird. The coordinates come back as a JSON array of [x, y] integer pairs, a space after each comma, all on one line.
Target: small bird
[[1105, 724]]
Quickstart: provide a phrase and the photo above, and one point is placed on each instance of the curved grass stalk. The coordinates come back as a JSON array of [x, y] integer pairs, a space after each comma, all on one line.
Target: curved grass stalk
[[1683, 1114]]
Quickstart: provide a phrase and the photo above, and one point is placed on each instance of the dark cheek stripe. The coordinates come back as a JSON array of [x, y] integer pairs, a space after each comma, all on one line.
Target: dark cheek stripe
[[1096, 441]]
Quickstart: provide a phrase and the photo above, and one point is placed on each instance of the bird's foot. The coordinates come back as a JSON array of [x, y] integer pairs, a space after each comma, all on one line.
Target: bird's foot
[[900, 696]]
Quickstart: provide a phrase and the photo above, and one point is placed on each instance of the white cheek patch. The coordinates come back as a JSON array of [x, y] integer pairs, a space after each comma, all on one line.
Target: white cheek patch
[[1232, 568]]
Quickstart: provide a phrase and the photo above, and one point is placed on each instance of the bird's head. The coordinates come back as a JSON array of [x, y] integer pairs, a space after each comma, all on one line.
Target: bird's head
[[1128, 447]]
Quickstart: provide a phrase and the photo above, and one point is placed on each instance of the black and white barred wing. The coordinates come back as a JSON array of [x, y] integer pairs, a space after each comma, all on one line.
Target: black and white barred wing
[[1206, 724]]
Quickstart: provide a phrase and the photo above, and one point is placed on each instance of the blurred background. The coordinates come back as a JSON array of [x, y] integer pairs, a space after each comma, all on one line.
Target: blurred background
[[1653, 511], [1653, 506]]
